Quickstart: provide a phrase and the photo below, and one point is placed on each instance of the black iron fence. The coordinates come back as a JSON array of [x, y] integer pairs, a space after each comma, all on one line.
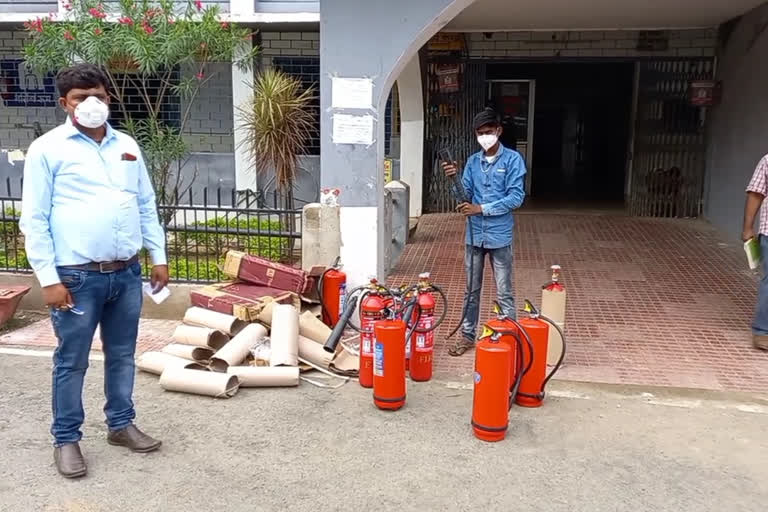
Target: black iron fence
[[200, 228]]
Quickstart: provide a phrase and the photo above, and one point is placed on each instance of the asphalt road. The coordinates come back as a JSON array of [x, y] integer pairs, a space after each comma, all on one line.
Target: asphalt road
[[589, 449]]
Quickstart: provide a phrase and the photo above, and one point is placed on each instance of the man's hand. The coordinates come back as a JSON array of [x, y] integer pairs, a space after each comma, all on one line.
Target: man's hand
[[747, 234], [450, 169], [57, 296], [159, 277], [469, 209]]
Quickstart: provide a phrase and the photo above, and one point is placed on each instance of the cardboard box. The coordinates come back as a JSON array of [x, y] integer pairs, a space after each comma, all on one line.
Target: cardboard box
[[260, 271], [242, 300]]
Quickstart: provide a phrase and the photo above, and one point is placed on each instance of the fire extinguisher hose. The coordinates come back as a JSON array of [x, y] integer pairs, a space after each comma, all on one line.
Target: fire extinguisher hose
[[444, 300], [540, 394], [338, 330], [459, 191]]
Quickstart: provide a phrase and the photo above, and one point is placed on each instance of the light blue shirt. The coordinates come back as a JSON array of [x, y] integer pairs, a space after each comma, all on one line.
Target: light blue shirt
[[498, 187], [86, 202]]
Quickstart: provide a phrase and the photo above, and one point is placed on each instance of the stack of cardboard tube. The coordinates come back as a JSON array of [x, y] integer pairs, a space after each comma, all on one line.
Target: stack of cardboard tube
[[210, 352]]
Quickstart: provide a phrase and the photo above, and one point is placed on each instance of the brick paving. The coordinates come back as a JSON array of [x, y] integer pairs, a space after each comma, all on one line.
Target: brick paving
[[650, 301], [153, 335]]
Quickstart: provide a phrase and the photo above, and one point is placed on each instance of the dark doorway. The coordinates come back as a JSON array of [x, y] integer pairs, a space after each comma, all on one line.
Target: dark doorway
[[581, 128]]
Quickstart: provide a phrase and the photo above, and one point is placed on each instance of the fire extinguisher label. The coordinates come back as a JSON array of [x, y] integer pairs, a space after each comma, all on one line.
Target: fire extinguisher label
[[342, 297], [366, 344], [378, 359], [421, 341], [476, 376]]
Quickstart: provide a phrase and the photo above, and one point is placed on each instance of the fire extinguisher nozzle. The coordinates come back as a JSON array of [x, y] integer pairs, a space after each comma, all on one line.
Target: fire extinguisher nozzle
[[333, 340]]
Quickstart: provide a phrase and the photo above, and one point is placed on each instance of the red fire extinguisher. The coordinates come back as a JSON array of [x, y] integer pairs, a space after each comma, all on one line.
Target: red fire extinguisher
[[423, 340], [491, 400], [333, 290], [536, 328], [372, 309], [389, 387], [509, 333]]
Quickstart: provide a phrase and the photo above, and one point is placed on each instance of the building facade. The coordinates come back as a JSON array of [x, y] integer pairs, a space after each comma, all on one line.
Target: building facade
[[597, 98]]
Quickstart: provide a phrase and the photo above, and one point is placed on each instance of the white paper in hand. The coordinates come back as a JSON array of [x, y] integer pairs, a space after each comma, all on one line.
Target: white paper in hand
[[158, 297]]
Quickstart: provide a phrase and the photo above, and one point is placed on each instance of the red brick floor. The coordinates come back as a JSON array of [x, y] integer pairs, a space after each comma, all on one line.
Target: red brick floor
[[153, 335], [650, 301]]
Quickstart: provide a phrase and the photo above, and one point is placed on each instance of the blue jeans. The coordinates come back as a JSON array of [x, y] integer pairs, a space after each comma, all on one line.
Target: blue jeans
[[760, 322], [503, 273], [113, 300]]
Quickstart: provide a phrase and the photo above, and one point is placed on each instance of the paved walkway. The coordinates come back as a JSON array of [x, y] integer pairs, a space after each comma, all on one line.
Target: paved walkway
[[650, 302]]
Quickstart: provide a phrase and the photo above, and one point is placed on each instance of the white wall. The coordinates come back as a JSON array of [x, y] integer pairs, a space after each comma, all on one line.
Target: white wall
[[738, 130]]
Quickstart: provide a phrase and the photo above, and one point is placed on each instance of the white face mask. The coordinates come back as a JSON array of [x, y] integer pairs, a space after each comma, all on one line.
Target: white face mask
[[487, 141], [91, 113]]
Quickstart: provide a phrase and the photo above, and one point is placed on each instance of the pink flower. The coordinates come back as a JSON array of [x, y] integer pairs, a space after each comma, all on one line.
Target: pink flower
[[125, 20], [147, 28], [67, 6], [199, 5], [200, 75], [68, 36], [171, 21], [224, 25], [36, 25], [97, 31], [98, 12]]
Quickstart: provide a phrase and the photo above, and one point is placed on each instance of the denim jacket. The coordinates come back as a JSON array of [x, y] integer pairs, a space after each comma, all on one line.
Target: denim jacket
[[498, 187]]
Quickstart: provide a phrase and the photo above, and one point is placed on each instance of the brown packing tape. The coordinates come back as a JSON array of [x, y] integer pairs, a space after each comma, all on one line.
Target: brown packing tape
[[265, 316], [239, 348], [232, 263], [200, 336], [219, 321], [217, 385], [189, 351], [157, 362], [313, 328], [262, 376]]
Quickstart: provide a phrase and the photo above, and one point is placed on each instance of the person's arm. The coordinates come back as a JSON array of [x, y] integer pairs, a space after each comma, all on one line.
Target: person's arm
[[151, 231], [756, 192], [36, 200], [514, 191], [467, 182]]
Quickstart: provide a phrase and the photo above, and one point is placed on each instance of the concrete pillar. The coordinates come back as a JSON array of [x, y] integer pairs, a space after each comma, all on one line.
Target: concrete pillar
[[320, 235], [375, 41], [400, 218], [245, 176], [412, 132]]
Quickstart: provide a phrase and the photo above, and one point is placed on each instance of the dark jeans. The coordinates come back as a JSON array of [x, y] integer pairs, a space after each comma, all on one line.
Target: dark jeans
[[114, 301], [760, 322], [503, 273]]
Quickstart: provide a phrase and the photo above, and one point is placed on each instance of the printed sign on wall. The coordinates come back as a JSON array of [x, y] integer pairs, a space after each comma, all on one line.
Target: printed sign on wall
[[20, 87]]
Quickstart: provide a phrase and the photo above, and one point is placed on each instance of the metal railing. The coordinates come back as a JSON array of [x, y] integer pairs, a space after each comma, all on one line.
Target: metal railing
[[200, 228]]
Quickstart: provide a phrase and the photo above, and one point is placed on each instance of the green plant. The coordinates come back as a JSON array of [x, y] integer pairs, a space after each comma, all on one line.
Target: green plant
[[261, 237], [277, 125], [136, 41]]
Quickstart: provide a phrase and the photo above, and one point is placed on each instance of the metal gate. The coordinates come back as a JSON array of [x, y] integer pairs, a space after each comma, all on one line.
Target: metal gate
[[449, 125], [668, 162]]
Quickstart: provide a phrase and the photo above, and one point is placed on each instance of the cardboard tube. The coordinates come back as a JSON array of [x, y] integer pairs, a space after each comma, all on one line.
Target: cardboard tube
[[218, 385], [200, 336], [264, 376], [314, 352], [219, 321], [284, 338], [189, 351], [239, 348], [313, 328], [157, 362]]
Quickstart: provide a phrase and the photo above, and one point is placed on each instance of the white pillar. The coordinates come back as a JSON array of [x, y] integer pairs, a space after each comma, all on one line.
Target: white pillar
[[245, 176], [412, 132]]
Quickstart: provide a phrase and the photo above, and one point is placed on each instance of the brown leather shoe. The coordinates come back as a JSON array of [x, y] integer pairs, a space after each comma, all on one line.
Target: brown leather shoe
[[133, 438], [69, 460], [760, 341]]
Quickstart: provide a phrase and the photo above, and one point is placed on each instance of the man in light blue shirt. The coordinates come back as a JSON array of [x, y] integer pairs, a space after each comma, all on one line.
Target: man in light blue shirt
[[493, 181], [87, 210]]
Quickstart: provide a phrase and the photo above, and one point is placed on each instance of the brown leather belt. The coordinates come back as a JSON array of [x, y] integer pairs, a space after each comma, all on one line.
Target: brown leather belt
[[106, 267]]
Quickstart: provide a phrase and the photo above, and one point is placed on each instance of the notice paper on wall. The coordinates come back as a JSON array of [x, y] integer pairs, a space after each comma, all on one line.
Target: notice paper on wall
[[349, 129], [351, 93]]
